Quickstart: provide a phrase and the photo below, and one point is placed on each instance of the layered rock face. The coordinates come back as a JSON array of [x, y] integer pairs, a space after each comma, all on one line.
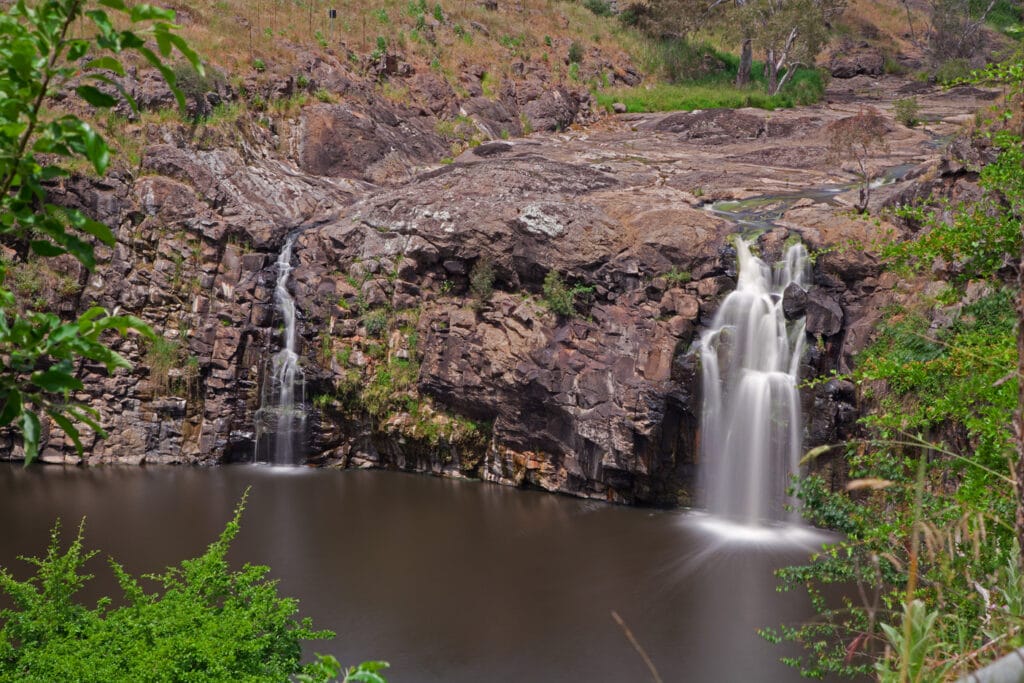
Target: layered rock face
[[194, 230], [595, 402], [525, 314]]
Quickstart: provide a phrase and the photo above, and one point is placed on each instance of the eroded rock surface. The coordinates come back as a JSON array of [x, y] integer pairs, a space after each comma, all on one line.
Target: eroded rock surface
[[525, 314]]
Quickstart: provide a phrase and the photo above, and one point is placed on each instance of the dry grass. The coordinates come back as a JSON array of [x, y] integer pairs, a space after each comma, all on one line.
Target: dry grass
[[235, 33], [886, 18]]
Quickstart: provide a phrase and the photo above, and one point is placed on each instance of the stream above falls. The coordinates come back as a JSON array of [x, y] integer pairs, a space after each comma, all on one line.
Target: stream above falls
[[449, 580]]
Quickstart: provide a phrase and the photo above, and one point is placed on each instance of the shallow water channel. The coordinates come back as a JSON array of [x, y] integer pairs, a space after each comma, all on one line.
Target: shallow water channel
[[450, 581]]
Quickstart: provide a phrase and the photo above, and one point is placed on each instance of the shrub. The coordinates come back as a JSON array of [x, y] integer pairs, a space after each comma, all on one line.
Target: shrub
[[203, 622], [559, 297], [259, 64], [634, 14], [381, 49], [481, 279], [575, 53], [601, 8], [952, 70], [906, 110], [376, 322], [195, 85]]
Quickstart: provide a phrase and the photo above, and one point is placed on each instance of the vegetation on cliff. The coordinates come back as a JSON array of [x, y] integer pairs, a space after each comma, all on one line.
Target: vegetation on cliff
[[932, 516], [37, 145]]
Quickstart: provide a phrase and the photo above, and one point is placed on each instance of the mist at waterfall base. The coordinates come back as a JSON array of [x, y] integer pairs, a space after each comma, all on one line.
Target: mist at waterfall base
[[281, 418], [750, 425], [449, 580]]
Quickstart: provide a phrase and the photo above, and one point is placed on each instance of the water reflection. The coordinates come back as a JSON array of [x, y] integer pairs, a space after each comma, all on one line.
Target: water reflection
[[449, 580]]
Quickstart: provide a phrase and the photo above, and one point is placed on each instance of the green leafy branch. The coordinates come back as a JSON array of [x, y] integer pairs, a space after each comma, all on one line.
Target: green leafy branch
[[42, 60]]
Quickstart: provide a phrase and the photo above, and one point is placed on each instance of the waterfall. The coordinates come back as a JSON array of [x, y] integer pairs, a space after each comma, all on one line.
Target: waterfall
[[281, 419], [751, 426]]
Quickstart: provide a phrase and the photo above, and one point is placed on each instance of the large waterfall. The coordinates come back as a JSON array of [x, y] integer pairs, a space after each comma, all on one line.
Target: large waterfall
[[751, 426], [281, 419]]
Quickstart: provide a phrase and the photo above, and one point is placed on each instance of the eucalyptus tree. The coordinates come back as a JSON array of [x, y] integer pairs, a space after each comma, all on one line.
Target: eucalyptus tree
[[789, 33]]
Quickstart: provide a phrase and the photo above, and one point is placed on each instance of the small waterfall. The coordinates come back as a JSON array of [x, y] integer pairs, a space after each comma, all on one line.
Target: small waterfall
[[281, 419], [751, 426]]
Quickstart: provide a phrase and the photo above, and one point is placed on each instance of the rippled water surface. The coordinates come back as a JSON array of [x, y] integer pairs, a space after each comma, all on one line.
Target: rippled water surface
[[448, 580]]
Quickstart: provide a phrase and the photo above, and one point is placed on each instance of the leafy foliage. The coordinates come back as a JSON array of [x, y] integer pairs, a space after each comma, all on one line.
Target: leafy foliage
[[203, 622], [978, 238], [481, 279], [906, 110], [561, 298], [929, 525], [36, 147], [918, 641], [856, 138]]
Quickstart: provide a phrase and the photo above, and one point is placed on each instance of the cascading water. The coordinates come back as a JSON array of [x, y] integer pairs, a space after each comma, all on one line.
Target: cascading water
[[751, 426], [281, 419]]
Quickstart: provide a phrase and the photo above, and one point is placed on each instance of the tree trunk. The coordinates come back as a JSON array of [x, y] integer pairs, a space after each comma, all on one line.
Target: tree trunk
[[772, 71], [1018, 417], [746, 59]]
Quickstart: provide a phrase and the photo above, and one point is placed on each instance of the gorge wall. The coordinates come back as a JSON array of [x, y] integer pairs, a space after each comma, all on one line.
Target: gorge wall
[[426, 341]]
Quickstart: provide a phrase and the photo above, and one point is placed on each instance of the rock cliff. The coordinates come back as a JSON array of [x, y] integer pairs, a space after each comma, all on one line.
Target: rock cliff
[[432, 337]]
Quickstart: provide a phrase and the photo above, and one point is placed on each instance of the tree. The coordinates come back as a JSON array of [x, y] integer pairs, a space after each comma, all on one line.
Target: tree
[[956, 28], [789, 33], [41, 59], [855, 138], [671, 19]]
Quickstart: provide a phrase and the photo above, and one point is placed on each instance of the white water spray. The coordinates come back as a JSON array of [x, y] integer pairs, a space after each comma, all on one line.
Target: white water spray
[[751, 426], [279, 410]]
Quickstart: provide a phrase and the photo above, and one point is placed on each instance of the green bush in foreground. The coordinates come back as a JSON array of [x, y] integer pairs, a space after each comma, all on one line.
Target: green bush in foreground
[[204, 623]]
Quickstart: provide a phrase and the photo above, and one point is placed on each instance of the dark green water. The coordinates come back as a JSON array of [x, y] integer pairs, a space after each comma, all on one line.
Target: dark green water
[[450, 581]]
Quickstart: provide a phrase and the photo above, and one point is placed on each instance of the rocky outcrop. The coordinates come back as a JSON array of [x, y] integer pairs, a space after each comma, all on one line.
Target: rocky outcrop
[[573, 403], [195, 233], [340, 140], [552, 111], [525, 314], [856, 60]]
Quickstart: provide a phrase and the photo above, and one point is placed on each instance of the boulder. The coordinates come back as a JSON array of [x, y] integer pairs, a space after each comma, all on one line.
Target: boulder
[[794, 301], [554, 110], [824, 315], [711, 125], [344, 140], [860, 60]]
